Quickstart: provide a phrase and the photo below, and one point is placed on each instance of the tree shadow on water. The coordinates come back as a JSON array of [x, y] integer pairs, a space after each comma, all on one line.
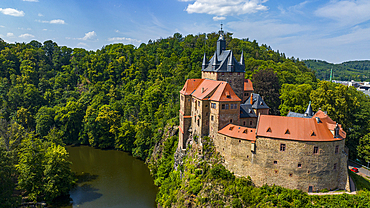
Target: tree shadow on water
[[84, 193], [85, 177]]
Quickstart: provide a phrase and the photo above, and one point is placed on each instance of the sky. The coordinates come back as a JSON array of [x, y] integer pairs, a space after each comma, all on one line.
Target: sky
[[330, 30]]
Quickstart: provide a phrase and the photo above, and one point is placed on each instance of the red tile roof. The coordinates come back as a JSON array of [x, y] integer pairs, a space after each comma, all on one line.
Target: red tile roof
[[224, 92], [205, 88], [190, 85], [299, 129], [248, 85], [239, 132]]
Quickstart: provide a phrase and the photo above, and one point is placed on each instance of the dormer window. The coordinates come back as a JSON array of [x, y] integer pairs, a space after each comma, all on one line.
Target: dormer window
[[287, 131], [245, 131], [313, 134], [269, 130]]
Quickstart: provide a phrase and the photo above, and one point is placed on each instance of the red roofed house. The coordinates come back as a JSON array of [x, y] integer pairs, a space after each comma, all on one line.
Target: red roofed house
[[300, 151]]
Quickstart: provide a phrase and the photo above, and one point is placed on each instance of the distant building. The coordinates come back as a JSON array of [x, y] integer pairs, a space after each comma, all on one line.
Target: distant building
[[300, 151]]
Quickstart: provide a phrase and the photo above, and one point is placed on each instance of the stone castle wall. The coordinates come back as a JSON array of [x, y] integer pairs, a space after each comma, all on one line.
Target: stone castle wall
[[296, 168]]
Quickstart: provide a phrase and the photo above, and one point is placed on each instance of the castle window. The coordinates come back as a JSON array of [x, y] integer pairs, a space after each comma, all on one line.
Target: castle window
[[198, 122], [206, 106], [269, 130], [336, 149], [250, 123], [287, 131], [198, 103], [238, 73], [213, 105], [188, 99], [239, 140], [299, 165], [308, 171], [290, 174], [224, 138], [231, 120], [222, 74], [227, 106], [282, 147], [206, 123], [245, 94], [276, 171], [223, 106], [315, 150], [206, 113], [211, 118], [275, 162], [244, 123], [335, 166], [182, 97]]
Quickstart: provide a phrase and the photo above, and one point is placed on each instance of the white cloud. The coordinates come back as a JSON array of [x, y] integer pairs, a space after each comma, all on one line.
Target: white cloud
[[44, 29], [32, 0], [226, 7], [56, 21], [12, 12], [40, 15], [124, 39], [26, 35], [350, 12], [217, 18], [2, 26], [9, 35], [82, 44], [88, 36]]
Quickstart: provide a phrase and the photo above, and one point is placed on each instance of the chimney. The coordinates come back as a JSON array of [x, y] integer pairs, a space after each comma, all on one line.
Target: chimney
[[251, 98]]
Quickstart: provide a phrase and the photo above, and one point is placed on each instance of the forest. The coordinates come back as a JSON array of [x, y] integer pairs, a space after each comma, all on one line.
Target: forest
[[124, 97], [346, 71]]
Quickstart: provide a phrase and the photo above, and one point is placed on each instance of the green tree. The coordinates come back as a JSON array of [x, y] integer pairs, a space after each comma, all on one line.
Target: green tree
[[58, 178], [294, 98], [363, 148]]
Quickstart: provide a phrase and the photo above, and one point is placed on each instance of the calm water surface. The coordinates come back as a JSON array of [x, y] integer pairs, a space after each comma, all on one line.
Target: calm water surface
[[110, 178]]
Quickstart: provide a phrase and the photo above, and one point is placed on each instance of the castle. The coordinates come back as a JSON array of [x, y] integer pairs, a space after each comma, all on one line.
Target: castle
[[299, 151]]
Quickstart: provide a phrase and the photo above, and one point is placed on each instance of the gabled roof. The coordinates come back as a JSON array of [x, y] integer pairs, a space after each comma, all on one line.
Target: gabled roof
[[239, 132], [224, 92], [224, 62], [246, 111], [318, 128], [190, 85], [205, 88], [257, 103], [248, 85]]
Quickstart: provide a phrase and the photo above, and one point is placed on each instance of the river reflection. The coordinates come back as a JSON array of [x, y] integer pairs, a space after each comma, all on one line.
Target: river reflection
[[109, 178]]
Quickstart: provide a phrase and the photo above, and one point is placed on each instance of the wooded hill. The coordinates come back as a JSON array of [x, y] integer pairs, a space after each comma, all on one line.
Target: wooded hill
[[123, 96], [346, 71]]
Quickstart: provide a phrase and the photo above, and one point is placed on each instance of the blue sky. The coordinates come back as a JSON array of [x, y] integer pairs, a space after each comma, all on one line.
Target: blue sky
[[331, 30]]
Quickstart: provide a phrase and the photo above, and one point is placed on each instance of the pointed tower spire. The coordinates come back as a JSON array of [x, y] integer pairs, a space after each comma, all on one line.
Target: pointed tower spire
[[242, 59], [214, 62], [221, 43], [204, 64], [309, 111]]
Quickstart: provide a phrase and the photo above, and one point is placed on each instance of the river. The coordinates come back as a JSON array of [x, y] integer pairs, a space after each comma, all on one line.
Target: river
[[110, 178]]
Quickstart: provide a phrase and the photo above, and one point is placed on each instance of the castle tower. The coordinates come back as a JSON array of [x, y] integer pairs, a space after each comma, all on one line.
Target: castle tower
[[224, 67]]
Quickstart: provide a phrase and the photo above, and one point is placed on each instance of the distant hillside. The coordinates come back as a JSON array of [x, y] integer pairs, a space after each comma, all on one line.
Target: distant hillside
[[351, 70]]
